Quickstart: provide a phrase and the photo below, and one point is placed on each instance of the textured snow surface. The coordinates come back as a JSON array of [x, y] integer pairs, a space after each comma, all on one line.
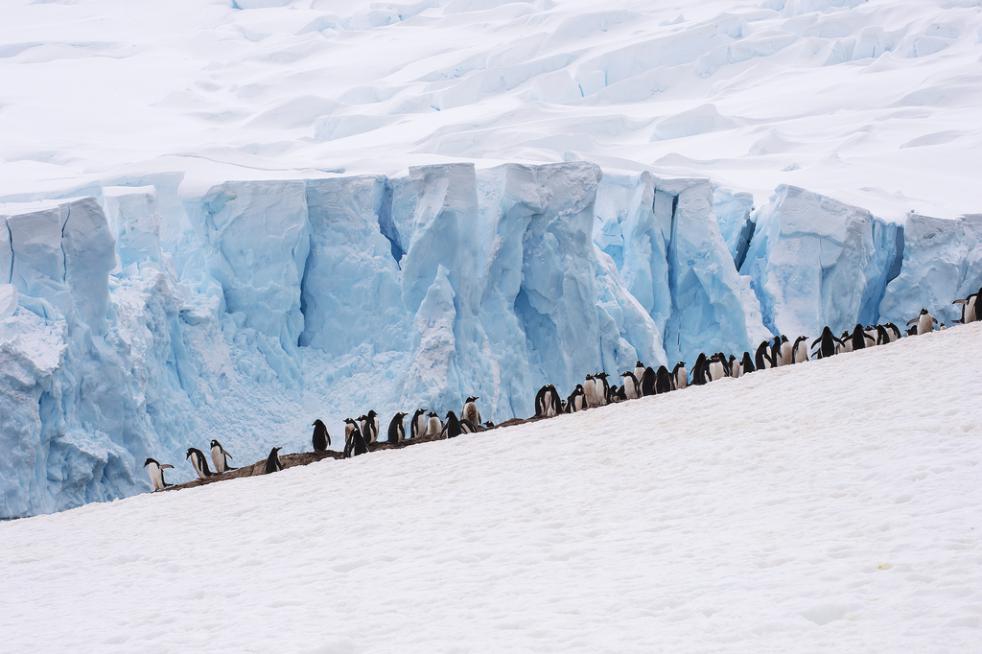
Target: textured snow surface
[[875, 103], [829, 506]]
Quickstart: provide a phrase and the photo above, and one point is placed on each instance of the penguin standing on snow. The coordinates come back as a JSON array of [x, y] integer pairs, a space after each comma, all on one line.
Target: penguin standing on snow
[[220, 457], [370, 427], [971, 307], [273, 463], [799, 351], [893, 329], [199, 462], [871, 332], [433, 425], [576, 400], [417, 427], [470, 412], [699, 370], [397, 432], [747, 364], [663, 381], [639, 371], [320, 438], [762, 358], [354, 440], [925, 322], [736, 368], [715, 369], [649, 382], [680, 375], [827, 344], [602, 387], [632, 387], [451, 428], [155, 471], [547, 402], [858, 338]]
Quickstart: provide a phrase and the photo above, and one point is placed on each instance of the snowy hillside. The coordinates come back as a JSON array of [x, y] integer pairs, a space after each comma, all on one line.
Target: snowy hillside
[[223, 220], [873, 102], [829, 506]]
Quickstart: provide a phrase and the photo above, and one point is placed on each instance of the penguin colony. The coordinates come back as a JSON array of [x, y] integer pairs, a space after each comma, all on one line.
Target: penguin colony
[[361, 435]]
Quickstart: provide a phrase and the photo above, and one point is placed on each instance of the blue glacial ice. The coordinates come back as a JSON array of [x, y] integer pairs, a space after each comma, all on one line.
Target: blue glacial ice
[[270, 303]]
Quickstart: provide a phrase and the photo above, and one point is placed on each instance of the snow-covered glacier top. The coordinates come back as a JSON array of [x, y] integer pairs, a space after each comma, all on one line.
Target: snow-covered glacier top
[[874, 103]]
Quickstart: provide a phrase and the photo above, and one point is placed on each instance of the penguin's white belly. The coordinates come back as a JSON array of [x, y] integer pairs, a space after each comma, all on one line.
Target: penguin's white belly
[[924, 324]]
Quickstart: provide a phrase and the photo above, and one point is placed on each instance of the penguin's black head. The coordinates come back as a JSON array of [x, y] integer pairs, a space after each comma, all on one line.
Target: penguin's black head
[[602, 375], [371, 414], [188, 455], [149, 461], [578, 389], [639, 365], [589, 377], [349, 421], [275, 450], [215, 443], [471, 399], [432, 414], [450, 414], [923, 311], [363, 417]]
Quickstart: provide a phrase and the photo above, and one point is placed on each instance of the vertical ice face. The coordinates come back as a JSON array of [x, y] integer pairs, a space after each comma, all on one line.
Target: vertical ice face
[[351, 293], [38, 269], [259, 241], [942, 261], [816, 261], [89, 253]]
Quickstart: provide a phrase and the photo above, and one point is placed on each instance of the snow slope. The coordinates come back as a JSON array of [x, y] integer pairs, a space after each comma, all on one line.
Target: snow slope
[[875, 103], [830, 506]]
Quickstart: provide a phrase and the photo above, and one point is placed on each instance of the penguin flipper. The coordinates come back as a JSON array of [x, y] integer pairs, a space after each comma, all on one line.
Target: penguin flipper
[[912, 321], [165, 465]]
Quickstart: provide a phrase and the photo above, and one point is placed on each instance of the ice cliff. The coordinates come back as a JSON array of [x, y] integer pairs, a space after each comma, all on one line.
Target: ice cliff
[[282, 301]]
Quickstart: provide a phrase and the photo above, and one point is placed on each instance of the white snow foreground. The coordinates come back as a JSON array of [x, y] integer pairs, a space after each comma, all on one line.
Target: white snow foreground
[[830, 506]]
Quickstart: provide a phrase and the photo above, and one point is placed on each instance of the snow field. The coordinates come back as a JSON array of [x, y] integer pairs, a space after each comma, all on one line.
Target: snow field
[[830, 506]]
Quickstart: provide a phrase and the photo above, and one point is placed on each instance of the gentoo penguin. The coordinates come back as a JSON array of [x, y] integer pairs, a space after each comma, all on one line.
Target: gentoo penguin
[[433, 425], [588, 391], [156, 473], [321, 439], [273, 463], [470, 412], [699, 369], [786, 351], [970, 307], [799, 351], [925, 322], [603, 388], [762, 358], [663, 381], [220, 457], [615, 394], [417, 427], [883, 336], [680, 375], [895, 331], [736, 368], [858, 338], [871, 333], [639, 371], [547, 402], [451, 428], [845, 342], [715, 369], [576, 400], [827, 344], [397, 432], [354, 440], [488, 425], [747, 364], [632, 387], [199, 462], [370, 427], [649, 382]]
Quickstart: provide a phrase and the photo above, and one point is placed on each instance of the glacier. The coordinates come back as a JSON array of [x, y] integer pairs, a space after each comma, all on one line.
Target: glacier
[[137, 322]]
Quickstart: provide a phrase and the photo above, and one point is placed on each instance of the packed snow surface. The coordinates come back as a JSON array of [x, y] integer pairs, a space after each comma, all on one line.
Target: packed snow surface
[[826, 506], [875, 103]]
